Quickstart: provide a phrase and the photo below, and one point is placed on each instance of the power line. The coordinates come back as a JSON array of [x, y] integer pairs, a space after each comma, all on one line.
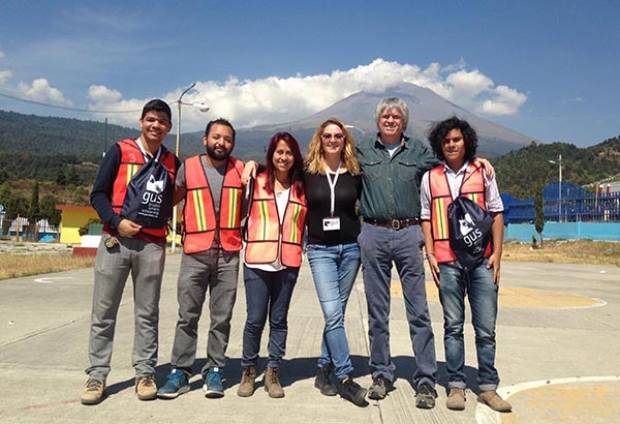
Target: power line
[[74, 109]]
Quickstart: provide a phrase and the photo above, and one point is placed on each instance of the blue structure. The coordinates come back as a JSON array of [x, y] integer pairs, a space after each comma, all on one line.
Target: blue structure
[[518, 210], [578, 204]]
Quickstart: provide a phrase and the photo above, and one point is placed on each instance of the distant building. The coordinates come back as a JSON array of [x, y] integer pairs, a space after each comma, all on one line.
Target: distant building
[[608, 188], [18, 226], [74, 217]]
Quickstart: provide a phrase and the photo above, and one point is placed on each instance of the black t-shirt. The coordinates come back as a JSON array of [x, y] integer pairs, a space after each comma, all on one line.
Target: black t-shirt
[[348, 190]]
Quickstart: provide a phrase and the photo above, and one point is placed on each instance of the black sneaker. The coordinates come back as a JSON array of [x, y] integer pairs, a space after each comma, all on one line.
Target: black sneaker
[[425, 396], [323, 382], [378, 388], [353, 392]]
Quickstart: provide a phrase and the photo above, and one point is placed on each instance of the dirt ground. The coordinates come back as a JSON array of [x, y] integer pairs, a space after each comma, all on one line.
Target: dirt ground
[[565, 251]]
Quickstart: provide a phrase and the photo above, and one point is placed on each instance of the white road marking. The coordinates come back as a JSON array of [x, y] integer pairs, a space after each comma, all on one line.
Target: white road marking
[[50, 280], [485, 415]]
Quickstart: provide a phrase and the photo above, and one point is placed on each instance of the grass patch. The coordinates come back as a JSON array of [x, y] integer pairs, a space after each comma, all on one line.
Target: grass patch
[[565, 252], [12, 266]]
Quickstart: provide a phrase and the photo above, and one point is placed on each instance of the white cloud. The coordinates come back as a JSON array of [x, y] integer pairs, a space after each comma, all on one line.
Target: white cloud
[[280, 99], [468, 85], [5, 76], [100, 94], [506, 101], [41, 90]]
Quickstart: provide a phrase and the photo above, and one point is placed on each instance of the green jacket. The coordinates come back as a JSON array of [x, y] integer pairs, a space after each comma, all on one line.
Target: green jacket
[[391, 185]]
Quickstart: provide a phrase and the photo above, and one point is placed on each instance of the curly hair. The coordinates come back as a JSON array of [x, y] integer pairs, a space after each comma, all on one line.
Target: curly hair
[[440, 130], [315, 161]]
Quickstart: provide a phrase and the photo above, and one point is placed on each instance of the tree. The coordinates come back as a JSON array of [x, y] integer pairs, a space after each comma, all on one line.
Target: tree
[[34, 211], [539, 222], [4, 176], [61, 179], [72, 176], [49, 211]]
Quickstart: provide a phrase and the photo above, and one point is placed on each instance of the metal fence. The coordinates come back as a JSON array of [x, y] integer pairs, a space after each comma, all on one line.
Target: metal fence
[[571, 204]]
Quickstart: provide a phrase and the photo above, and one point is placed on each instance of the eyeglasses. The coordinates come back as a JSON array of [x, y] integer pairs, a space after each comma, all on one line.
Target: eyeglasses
[[337, 137]]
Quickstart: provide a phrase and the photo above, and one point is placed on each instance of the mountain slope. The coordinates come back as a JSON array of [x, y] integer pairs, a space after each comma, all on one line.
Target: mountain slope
[[358, 110]]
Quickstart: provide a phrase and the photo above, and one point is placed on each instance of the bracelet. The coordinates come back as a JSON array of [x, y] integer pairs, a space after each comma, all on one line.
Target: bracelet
[[429, 256]]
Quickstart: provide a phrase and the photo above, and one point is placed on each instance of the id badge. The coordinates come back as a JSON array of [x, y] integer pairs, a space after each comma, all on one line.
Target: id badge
[[331, 224]]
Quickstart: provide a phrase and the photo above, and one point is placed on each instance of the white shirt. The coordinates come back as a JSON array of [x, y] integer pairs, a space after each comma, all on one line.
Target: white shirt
[[281, 202], [492, 197]]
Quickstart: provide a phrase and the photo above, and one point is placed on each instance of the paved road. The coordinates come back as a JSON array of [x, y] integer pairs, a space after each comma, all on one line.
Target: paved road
[[558, 340]]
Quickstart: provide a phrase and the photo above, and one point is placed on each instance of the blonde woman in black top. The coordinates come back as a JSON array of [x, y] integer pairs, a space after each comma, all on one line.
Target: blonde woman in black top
[[333, 185]]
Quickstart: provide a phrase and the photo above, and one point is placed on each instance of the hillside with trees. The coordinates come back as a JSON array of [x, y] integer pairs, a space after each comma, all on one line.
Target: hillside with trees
[[523, 172], [54, 160]]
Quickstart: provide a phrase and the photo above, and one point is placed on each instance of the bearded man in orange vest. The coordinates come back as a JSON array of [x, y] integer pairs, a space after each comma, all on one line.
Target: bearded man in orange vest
[[454, 141], [129, 246], [211, 186]]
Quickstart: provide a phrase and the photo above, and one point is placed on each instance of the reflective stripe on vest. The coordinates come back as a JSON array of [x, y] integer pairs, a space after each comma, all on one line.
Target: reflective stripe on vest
[[264, 229], [199, 218], [132, 160], [472, 187]]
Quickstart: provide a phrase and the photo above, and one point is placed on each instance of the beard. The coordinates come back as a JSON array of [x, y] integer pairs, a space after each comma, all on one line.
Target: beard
[[214, 154]]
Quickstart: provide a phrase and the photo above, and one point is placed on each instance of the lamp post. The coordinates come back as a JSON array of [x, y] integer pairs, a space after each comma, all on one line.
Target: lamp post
[[203, 108], [559, 162]]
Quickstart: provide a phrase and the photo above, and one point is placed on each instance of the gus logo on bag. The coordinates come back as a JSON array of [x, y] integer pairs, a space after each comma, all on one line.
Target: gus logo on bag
[[469, 231], [154, 188], [148, 201]]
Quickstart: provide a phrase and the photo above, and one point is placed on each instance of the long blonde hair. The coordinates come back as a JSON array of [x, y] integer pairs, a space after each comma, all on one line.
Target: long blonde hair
[[315, 161]]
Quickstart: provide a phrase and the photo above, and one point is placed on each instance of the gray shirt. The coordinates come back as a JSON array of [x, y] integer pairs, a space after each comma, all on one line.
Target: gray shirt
[[215, 177]]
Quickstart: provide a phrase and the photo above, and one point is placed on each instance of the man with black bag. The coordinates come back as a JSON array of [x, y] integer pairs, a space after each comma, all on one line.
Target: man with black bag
[[463, 229], [132, 195]]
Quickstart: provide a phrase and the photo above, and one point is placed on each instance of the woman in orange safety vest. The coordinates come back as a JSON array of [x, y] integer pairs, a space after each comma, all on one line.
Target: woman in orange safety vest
[[277, 214]]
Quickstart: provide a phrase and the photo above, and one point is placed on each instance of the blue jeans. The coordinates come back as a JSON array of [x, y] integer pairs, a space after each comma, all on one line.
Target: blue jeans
[[267, 292], [482, 294], [334, 269], [380, 247]]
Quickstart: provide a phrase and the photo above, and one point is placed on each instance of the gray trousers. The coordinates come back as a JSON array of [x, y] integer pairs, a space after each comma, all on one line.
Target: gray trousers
[[145, 261], [380, 247], [216, 271]]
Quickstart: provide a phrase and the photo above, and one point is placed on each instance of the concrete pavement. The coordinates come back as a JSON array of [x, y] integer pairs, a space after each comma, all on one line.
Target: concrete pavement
[[558, 354]]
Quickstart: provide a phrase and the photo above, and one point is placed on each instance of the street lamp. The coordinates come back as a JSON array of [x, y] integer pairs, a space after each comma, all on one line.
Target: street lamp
[[559, 162], [202, 106]]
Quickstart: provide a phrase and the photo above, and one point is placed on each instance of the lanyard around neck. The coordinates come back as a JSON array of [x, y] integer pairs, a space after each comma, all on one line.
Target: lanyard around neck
[[332, 187]]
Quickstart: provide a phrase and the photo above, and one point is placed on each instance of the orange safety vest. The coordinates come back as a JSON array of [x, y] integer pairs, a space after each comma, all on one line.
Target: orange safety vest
[[267, 239], [199, 217], [132, 160], [471, 187]]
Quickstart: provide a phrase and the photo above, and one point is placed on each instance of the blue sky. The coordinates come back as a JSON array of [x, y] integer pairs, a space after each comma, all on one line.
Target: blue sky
[[548, 69]]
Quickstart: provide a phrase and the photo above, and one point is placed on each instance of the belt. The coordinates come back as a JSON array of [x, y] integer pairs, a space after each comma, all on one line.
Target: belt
[[395, 224]]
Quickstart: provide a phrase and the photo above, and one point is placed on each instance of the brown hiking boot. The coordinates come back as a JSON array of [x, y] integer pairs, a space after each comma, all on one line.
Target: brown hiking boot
[[248, 378], [272, 383], [456, 399], [494, 401], [146, 389], [93, 392]]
